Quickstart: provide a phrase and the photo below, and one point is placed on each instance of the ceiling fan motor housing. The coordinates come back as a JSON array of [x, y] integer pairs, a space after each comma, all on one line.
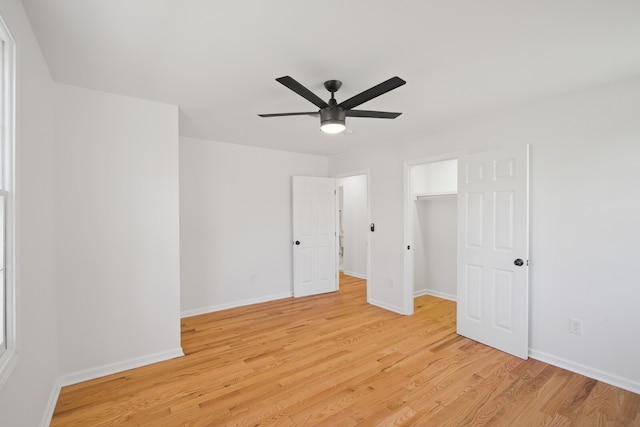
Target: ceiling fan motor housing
[[332, 114]]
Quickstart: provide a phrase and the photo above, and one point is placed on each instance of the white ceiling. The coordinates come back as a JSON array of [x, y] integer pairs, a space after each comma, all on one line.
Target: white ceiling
[[217, 60]]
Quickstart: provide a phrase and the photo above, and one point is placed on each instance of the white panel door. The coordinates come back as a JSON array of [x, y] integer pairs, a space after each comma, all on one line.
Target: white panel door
[[493, 249], [315, 269]]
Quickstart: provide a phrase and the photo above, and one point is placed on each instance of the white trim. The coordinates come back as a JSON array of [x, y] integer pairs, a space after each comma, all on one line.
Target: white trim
[[587, 371], [437, 294], [8, 357], [234, 304], [113, 368], [51, 406], [408, 285], [386, 306], [358, 275]]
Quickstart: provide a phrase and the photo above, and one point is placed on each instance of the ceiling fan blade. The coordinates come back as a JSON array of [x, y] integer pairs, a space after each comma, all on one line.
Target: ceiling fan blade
[[307, 113], [372, 114], [369, 94], [302, 91]]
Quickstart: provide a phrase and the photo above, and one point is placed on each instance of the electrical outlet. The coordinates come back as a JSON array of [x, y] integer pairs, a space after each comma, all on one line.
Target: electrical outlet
[[575, 326]]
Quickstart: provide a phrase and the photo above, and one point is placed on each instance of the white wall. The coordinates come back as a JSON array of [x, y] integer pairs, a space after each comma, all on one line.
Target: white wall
[[435, 177], [355, 224], [584, 230], [28, 392], [235, 223], [118, 225], [435, 247]]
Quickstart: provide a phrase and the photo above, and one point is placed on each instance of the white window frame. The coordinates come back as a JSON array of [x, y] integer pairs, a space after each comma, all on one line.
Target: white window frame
[[8, 353]]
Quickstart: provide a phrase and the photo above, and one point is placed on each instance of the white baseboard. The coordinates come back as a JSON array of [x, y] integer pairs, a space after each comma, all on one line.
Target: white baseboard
[[101, 371], [358, 275], [587, 371], [112, 368], [234, 304], [385, 306], [438, 294], [51, 406]]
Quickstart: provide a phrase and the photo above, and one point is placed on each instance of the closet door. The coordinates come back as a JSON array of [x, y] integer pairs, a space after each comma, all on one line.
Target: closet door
[[493, 249]]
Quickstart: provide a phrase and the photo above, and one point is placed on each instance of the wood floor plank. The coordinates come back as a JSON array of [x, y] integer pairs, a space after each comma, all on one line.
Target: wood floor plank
[[335, 360]]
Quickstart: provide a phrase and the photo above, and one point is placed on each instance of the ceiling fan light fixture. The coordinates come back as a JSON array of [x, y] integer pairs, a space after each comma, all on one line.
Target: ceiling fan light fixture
[[336, 127], [332, 120]]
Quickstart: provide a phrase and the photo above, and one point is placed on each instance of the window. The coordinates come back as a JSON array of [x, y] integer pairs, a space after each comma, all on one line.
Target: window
[[7, 205]]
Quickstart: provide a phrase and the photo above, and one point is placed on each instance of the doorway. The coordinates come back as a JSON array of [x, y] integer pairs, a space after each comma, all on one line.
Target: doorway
[[353, 224], [492, 242], [434, 217]]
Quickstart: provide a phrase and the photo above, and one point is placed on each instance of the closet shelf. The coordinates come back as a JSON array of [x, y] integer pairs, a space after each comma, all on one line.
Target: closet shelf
[[420, 196]]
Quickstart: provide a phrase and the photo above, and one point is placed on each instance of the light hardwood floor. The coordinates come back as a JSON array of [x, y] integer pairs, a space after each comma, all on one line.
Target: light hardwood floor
[[333, 360]]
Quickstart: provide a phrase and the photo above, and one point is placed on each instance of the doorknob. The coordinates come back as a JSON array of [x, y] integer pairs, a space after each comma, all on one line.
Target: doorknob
[[297, 242], [518, 262]]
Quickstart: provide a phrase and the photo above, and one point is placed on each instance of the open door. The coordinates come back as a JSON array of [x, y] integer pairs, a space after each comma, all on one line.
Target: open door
[[315, 267], [493, 249]]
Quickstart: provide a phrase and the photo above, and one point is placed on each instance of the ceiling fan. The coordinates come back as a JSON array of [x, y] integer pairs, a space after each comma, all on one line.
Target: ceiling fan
[[332, 115]]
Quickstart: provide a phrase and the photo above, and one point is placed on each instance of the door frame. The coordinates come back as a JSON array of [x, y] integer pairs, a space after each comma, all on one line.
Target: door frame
[[367, 173], [408, 288]]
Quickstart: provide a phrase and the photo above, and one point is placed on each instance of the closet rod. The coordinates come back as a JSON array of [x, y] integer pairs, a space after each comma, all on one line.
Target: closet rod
[[434, 196]]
